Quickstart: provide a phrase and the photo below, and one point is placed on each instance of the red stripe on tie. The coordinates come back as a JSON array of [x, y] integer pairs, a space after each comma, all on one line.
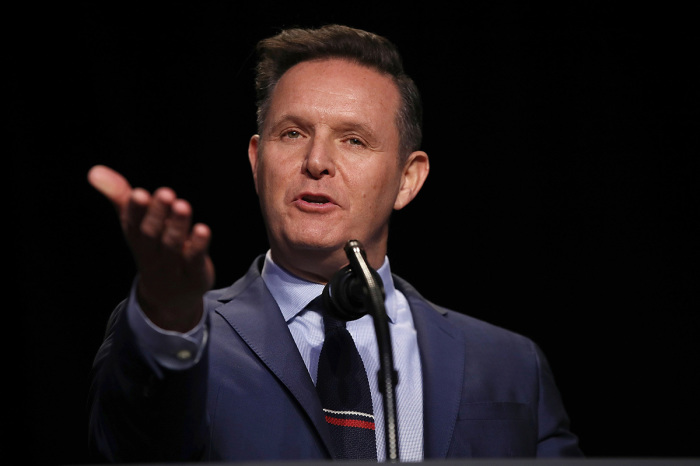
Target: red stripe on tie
[[350, 423]]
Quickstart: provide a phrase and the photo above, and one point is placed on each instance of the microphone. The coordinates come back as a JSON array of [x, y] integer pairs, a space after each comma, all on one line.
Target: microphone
[[350, 292]]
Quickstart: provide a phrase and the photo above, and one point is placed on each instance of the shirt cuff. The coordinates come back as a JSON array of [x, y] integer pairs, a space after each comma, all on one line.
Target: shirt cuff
[[170, 349]]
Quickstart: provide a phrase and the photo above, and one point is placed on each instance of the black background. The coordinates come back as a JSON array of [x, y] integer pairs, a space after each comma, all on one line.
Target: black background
[[562, 201]]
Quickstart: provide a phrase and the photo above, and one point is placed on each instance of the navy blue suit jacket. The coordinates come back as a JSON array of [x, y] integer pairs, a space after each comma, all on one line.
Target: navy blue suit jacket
[[487, 391]]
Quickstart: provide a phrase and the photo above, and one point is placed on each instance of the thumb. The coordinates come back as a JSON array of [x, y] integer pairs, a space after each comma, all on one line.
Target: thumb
[[111, 184]]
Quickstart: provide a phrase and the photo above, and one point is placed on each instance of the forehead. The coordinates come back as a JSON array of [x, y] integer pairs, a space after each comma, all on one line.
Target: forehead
[[335, 88]]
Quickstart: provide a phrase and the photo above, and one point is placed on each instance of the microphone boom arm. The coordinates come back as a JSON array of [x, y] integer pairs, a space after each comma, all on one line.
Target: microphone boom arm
[[387, 376]]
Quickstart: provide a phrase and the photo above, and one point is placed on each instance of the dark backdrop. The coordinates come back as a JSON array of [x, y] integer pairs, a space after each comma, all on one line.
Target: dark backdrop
[[562, 201]]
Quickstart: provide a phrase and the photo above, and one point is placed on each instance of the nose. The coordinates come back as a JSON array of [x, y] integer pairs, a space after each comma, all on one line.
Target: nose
[[320, 157]]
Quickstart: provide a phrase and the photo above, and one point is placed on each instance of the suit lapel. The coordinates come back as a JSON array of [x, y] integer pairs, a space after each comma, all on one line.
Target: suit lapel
[[442, 365], [253, 313]]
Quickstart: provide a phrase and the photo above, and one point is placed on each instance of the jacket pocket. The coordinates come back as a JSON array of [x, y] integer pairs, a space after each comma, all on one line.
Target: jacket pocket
[[495, 410], [494, 429]]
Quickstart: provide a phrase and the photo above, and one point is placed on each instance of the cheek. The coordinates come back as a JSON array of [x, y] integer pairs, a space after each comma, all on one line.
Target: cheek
[[379, 194], [268, 193], [270, 179]]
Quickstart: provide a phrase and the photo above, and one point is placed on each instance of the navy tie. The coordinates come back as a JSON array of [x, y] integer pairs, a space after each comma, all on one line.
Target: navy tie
[[345, 396]]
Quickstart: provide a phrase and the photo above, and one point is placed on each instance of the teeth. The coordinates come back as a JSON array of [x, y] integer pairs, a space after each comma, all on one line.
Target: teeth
[[315, 200]]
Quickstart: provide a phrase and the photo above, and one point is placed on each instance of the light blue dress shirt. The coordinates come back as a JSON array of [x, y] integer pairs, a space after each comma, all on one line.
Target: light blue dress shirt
[[180, 351]]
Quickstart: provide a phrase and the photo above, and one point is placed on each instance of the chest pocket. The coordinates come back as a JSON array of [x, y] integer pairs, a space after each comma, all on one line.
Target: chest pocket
[[495, 410], [494, 429]]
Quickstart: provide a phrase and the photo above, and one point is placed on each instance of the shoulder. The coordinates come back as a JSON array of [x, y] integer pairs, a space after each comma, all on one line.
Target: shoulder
[[473, 332], [252, 277]]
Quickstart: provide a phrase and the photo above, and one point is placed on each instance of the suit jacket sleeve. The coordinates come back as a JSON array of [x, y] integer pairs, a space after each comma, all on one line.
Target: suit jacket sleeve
[[131, 398], [554, 437]]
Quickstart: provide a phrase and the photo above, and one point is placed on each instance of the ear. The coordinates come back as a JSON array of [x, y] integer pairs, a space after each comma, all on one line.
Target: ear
[[253, 147], [414, 174]]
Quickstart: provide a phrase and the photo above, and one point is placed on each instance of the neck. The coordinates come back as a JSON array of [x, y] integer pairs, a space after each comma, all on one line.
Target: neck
[[319, 266]]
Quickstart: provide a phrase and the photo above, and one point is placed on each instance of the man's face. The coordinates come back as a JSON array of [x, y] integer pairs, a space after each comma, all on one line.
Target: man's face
[[326, 165]]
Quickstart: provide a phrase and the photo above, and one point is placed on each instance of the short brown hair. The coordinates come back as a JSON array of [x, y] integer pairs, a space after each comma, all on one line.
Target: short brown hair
[[281, 52]]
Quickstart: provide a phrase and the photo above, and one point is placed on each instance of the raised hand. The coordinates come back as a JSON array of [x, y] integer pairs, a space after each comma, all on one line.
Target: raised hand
[[171, 254]]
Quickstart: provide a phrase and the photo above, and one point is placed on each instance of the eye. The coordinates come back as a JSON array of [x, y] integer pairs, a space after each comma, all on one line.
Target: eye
[[355, 142], [292, 134]]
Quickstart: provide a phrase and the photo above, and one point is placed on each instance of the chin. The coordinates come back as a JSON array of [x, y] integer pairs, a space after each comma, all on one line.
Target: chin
[[316, 239], [316, 248], [315, 245]]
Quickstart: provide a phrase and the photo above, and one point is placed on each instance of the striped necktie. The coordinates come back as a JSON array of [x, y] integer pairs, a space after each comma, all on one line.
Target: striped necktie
[[344, 391]]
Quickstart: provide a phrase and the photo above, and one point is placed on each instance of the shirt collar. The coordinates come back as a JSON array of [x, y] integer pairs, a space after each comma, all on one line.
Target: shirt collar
[[292, 293]]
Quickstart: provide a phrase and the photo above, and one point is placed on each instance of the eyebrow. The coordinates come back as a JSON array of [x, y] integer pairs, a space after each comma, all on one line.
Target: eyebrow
[[358, 127], [362, 128], [288, 117]]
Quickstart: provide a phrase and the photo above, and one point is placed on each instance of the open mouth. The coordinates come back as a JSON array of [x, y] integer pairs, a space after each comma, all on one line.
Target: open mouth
[[315, 199]]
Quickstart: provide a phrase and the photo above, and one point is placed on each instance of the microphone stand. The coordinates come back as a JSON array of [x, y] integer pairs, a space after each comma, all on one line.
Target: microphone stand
[[373, 300]]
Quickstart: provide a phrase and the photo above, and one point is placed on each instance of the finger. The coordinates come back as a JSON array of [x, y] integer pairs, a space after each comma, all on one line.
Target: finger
[[198, 245], [134, 213], [158, 210], [177, 226], [197, 252], [111, 184]]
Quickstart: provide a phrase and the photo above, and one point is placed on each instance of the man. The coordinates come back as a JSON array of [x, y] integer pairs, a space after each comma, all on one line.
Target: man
[[188, 374]]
